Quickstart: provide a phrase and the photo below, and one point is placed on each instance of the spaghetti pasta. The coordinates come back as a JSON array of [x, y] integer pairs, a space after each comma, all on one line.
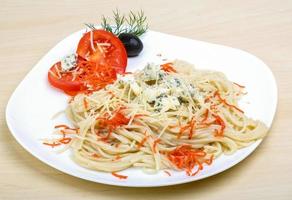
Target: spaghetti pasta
[[162, 117]]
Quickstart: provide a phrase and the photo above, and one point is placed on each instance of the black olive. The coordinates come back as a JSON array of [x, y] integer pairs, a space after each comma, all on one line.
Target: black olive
[[132, 44]]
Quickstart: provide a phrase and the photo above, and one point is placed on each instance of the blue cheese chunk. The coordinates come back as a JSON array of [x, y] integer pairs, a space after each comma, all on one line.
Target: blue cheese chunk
[[125, 79], [174, 82], [166, 103], [130, 79], [152, 72], [152, 94], [69, 62]]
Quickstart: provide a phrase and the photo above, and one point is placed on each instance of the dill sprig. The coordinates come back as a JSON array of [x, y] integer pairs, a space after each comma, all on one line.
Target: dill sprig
[[137, 23], [133, 23], [91, 26]]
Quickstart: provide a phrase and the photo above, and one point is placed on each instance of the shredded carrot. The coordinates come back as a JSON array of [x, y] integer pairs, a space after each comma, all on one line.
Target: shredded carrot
[[111, 93], [65, 140], [192, 128], [219, 121], [213, 107], [197, 171], [119, 176], [90, 76], [155, 145], [167, 172], [145, 133], [85, 103], [62, 126], [181, 130], [142, 142], [241, 86], [105, 139], [54, 144], [207, 99], [226, 103], [102, 76], [117, 145], [190, 125], [210, 160], [185, 157], [118, 157], [168, 67], [205, 116], [96, 76], [95, 155], [63, 131], [110, 124]]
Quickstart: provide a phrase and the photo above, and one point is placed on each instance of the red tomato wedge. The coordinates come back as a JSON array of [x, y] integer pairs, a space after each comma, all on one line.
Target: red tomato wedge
[[101, 46], [101, 55], [85, 77], [64, 81]]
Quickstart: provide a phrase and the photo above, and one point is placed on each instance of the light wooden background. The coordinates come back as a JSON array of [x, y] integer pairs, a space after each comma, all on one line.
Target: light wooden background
[[28, 29]]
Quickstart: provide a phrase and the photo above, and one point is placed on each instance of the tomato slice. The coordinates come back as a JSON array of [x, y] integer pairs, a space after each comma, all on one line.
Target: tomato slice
[[64, 81], [103, 47], [101, 55], [87, 76]]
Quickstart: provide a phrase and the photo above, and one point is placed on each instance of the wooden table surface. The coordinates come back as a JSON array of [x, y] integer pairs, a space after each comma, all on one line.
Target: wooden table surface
[[28, 29]]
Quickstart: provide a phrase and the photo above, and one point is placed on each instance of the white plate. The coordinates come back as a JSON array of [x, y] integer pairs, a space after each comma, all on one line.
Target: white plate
[[34, 102]]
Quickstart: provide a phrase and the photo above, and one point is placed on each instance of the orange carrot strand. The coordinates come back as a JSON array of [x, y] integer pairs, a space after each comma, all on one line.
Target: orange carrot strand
[[168, 67], [119, 175], [226, 103], [167, 172], [241, 86], [155, 145], [54, 144]]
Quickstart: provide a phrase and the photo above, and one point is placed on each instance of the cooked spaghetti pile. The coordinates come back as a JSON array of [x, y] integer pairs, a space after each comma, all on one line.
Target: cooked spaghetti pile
[[169, 116]]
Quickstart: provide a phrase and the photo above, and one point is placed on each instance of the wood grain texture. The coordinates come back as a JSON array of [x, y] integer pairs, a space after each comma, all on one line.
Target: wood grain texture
[[28, 29]]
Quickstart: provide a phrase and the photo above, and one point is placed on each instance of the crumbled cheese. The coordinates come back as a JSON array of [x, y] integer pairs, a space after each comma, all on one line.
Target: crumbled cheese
[[160, 90], [165, 103], [129, 79], [68, 62], [174, 82], [151, 72], [125, 78], [151, 94], [91, 41], [135, 87]]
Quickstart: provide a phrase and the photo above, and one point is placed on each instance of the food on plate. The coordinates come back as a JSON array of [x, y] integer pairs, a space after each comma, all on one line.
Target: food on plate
[[169, 116], [132, 44], [100, 55], [128, 28], [103, 47]]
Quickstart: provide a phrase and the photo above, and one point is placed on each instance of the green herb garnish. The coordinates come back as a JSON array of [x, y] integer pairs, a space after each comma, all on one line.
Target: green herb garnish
[[133, 23]]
